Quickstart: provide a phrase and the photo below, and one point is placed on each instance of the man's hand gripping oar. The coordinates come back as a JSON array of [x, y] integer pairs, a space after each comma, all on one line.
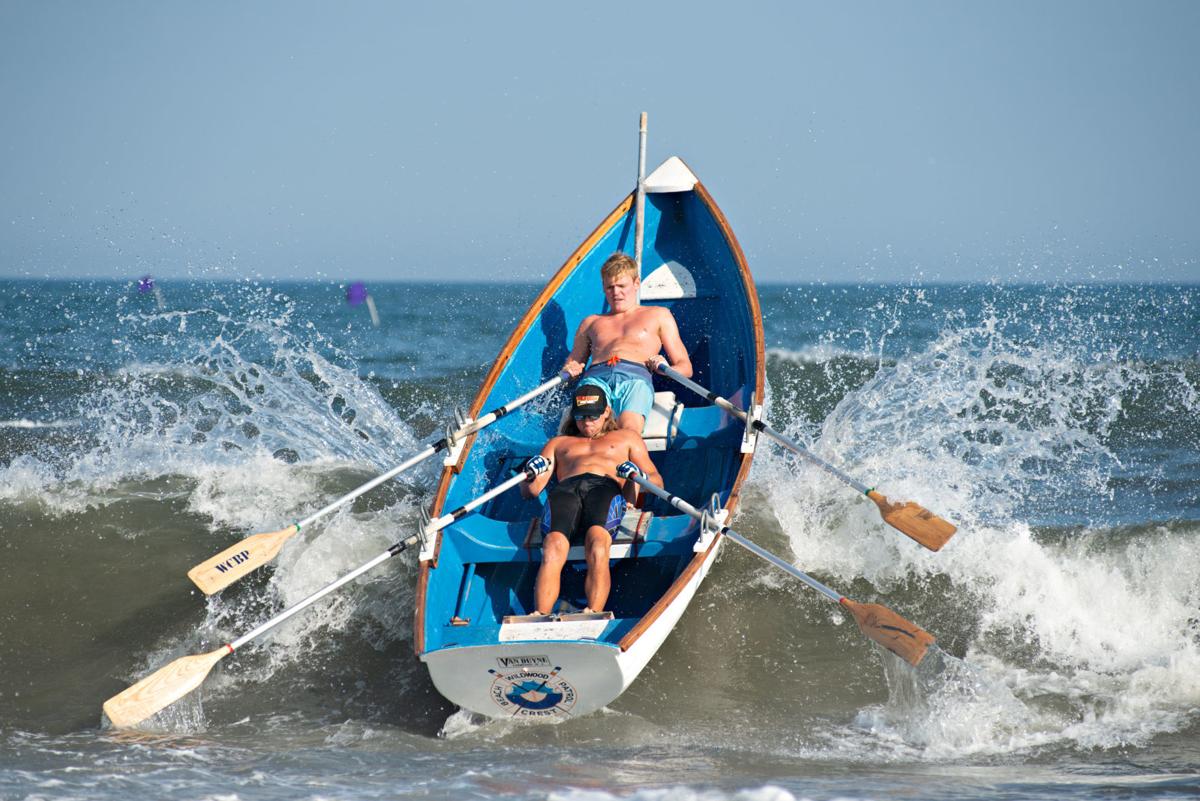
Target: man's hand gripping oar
[[239, 560], [908, 518], [170, 683], [904, 639]]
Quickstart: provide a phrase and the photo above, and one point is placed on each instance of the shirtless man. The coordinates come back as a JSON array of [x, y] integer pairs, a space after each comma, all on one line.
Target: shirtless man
[[625, 345], [587, 505]]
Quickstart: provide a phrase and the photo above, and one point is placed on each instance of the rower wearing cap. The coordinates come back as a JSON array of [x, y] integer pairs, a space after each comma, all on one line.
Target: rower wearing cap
[[626, 344], [587, 504]]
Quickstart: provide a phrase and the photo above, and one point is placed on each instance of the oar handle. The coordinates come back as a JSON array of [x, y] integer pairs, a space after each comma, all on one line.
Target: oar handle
[[442, 444], [759, 425], [396, 549], [687, 508]]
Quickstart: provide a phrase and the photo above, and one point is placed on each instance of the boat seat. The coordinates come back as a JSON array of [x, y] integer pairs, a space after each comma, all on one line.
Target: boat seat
[[662, 424], [630, 534]]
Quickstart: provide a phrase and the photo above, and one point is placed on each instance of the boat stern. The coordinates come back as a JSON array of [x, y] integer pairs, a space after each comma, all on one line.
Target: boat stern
[[532, 680]]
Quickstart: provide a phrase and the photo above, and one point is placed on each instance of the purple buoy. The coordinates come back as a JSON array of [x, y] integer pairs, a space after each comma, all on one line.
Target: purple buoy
[[145, 284], [356, 293]]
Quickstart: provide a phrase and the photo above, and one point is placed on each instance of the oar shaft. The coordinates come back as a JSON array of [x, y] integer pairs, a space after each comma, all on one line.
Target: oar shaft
[[687, 508], [446, 519], [319, 594], [398, 548], [759, 425], [512, 405], [441, 445], [408, 464]]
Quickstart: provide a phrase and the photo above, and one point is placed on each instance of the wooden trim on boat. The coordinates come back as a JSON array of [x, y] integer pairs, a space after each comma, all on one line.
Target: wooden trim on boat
[[418, 629], [514, 339], [698, 560]]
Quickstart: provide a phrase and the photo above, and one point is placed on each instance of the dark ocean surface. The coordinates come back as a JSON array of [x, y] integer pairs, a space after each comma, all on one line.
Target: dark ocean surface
[[1059, 426]]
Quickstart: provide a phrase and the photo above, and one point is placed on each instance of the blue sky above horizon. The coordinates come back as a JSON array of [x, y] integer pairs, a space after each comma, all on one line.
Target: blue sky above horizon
[[860, 142]]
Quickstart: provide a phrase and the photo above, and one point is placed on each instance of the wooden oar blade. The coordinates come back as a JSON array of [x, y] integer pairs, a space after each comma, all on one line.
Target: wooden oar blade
[[904, 639], [238, 560], [161, 688], [915, 521]]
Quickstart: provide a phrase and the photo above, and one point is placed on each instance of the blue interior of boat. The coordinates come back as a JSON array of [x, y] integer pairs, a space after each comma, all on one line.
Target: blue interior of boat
[[484, 569]]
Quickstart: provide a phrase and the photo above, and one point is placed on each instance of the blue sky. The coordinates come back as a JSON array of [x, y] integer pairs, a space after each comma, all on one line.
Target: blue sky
[[457, 141]]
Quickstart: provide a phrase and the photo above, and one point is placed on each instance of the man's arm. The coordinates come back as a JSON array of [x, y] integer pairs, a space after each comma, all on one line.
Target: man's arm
[[641, 457], [677, 355], [530, 489], [582, 348]]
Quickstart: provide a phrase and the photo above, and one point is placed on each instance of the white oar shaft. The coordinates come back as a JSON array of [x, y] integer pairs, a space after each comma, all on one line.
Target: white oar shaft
[[512, 405], [398, 548], [441, 522], [687, 508], [471, 428], [372, 484], [759, 425], [316, 596]]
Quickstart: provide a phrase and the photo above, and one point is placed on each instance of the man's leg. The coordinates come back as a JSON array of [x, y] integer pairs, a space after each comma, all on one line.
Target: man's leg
[[635, 399], [598, 581], [633, 421], [554, 555]]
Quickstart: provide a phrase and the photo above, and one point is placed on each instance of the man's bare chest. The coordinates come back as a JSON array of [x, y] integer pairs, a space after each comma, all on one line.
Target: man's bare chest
[[636, 329], [602, 449]]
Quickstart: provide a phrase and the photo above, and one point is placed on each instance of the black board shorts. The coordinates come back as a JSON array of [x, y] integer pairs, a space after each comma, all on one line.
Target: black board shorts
[[583, 501]]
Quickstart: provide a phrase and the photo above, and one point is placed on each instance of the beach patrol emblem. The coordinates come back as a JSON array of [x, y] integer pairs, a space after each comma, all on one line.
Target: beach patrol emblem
[[532, 693]]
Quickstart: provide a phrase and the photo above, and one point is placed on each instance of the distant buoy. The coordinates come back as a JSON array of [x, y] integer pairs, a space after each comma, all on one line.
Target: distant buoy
[[357, 293], [146, 286]]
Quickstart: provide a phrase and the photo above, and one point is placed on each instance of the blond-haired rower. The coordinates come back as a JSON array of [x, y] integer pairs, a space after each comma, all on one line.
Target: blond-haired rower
[[625, 345]]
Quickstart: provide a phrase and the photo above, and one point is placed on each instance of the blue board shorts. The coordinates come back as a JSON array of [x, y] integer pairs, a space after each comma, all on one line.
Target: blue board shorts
[[627, 383]]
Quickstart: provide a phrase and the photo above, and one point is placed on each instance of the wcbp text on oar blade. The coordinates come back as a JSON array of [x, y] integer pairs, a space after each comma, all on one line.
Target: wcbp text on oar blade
[[239, 560]]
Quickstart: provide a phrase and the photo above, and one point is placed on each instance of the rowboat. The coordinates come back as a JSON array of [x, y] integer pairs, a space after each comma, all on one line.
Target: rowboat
[[473, 628]]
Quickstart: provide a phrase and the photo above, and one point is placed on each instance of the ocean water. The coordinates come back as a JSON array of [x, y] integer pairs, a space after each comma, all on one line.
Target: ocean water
[[1059, 426]]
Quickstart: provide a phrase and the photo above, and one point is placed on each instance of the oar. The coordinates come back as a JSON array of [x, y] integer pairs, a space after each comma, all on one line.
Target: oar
[[170, 683], [238, 560], [904, 639], [908, 518]]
